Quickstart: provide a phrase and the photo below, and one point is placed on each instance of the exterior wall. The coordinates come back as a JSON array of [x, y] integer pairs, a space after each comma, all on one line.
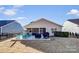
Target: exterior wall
[[13, 27], [0, 30], [44, 24], [70, 27]]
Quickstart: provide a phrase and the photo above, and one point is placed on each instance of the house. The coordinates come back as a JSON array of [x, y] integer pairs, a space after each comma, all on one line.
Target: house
[[71, 25], [43, 25], [8, 27]]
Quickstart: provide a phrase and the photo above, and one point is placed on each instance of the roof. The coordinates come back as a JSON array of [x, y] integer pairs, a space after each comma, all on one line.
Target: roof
[[50, 21], [4, 22], [43, 19], [76, 21]]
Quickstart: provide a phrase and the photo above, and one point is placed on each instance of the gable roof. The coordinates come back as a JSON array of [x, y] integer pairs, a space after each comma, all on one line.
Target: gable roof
[[5, 22], [43, 19], [76, 21]]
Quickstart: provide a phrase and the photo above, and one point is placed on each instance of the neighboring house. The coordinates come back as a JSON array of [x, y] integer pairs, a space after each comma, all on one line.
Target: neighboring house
[[43, 25], [71, 25], [10, 27]]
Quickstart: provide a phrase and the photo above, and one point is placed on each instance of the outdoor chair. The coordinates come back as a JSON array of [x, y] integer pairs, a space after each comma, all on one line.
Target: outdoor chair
[[33, 34], [46, 35], [37, 35]]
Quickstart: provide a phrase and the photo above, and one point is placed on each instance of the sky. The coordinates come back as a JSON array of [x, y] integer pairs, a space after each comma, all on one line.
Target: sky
[[25, 14]]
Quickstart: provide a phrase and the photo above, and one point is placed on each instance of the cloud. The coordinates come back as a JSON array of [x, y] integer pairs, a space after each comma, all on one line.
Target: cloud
[[73, 12], [1, 9], [10, 12], [21, 20], [18, 6]]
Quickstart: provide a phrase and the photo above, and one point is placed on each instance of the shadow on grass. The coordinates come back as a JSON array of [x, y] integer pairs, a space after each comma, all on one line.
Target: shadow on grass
[[41, 45], [5, 39], [13, 44]]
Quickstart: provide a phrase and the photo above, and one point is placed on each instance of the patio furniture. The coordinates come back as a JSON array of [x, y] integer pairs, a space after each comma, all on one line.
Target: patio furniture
[[34, 34], [46, 35], [37, 35]]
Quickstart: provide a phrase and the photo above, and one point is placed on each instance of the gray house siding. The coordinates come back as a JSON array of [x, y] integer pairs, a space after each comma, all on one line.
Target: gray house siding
[[13, 27], [0, 30]]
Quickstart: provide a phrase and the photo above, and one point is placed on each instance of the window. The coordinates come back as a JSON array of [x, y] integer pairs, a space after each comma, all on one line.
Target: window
[[35, 30], [29, 30], [54, 29], [42, 30]]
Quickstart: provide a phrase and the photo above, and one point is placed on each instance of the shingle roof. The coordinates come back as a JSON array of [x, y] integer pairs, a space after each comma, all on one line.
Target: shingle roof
[[4, 22], [43, 19], [76, 21], [50, 21]]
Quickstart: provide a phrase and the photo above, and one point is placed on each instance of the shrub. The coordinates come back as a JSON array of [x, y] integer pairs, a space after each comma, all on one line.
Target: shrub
[[61, 34]]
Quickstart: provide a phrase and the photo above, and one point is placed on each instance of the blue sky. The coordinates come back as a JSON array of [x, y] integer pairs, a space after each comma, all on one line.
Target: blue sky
[[28, 13]]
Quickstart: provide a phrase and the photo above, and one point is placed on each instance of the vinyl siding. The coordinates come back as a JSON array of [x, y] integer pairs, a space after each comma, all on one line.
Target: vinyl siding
[[13, 27], [70, 27], [44, 24]]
